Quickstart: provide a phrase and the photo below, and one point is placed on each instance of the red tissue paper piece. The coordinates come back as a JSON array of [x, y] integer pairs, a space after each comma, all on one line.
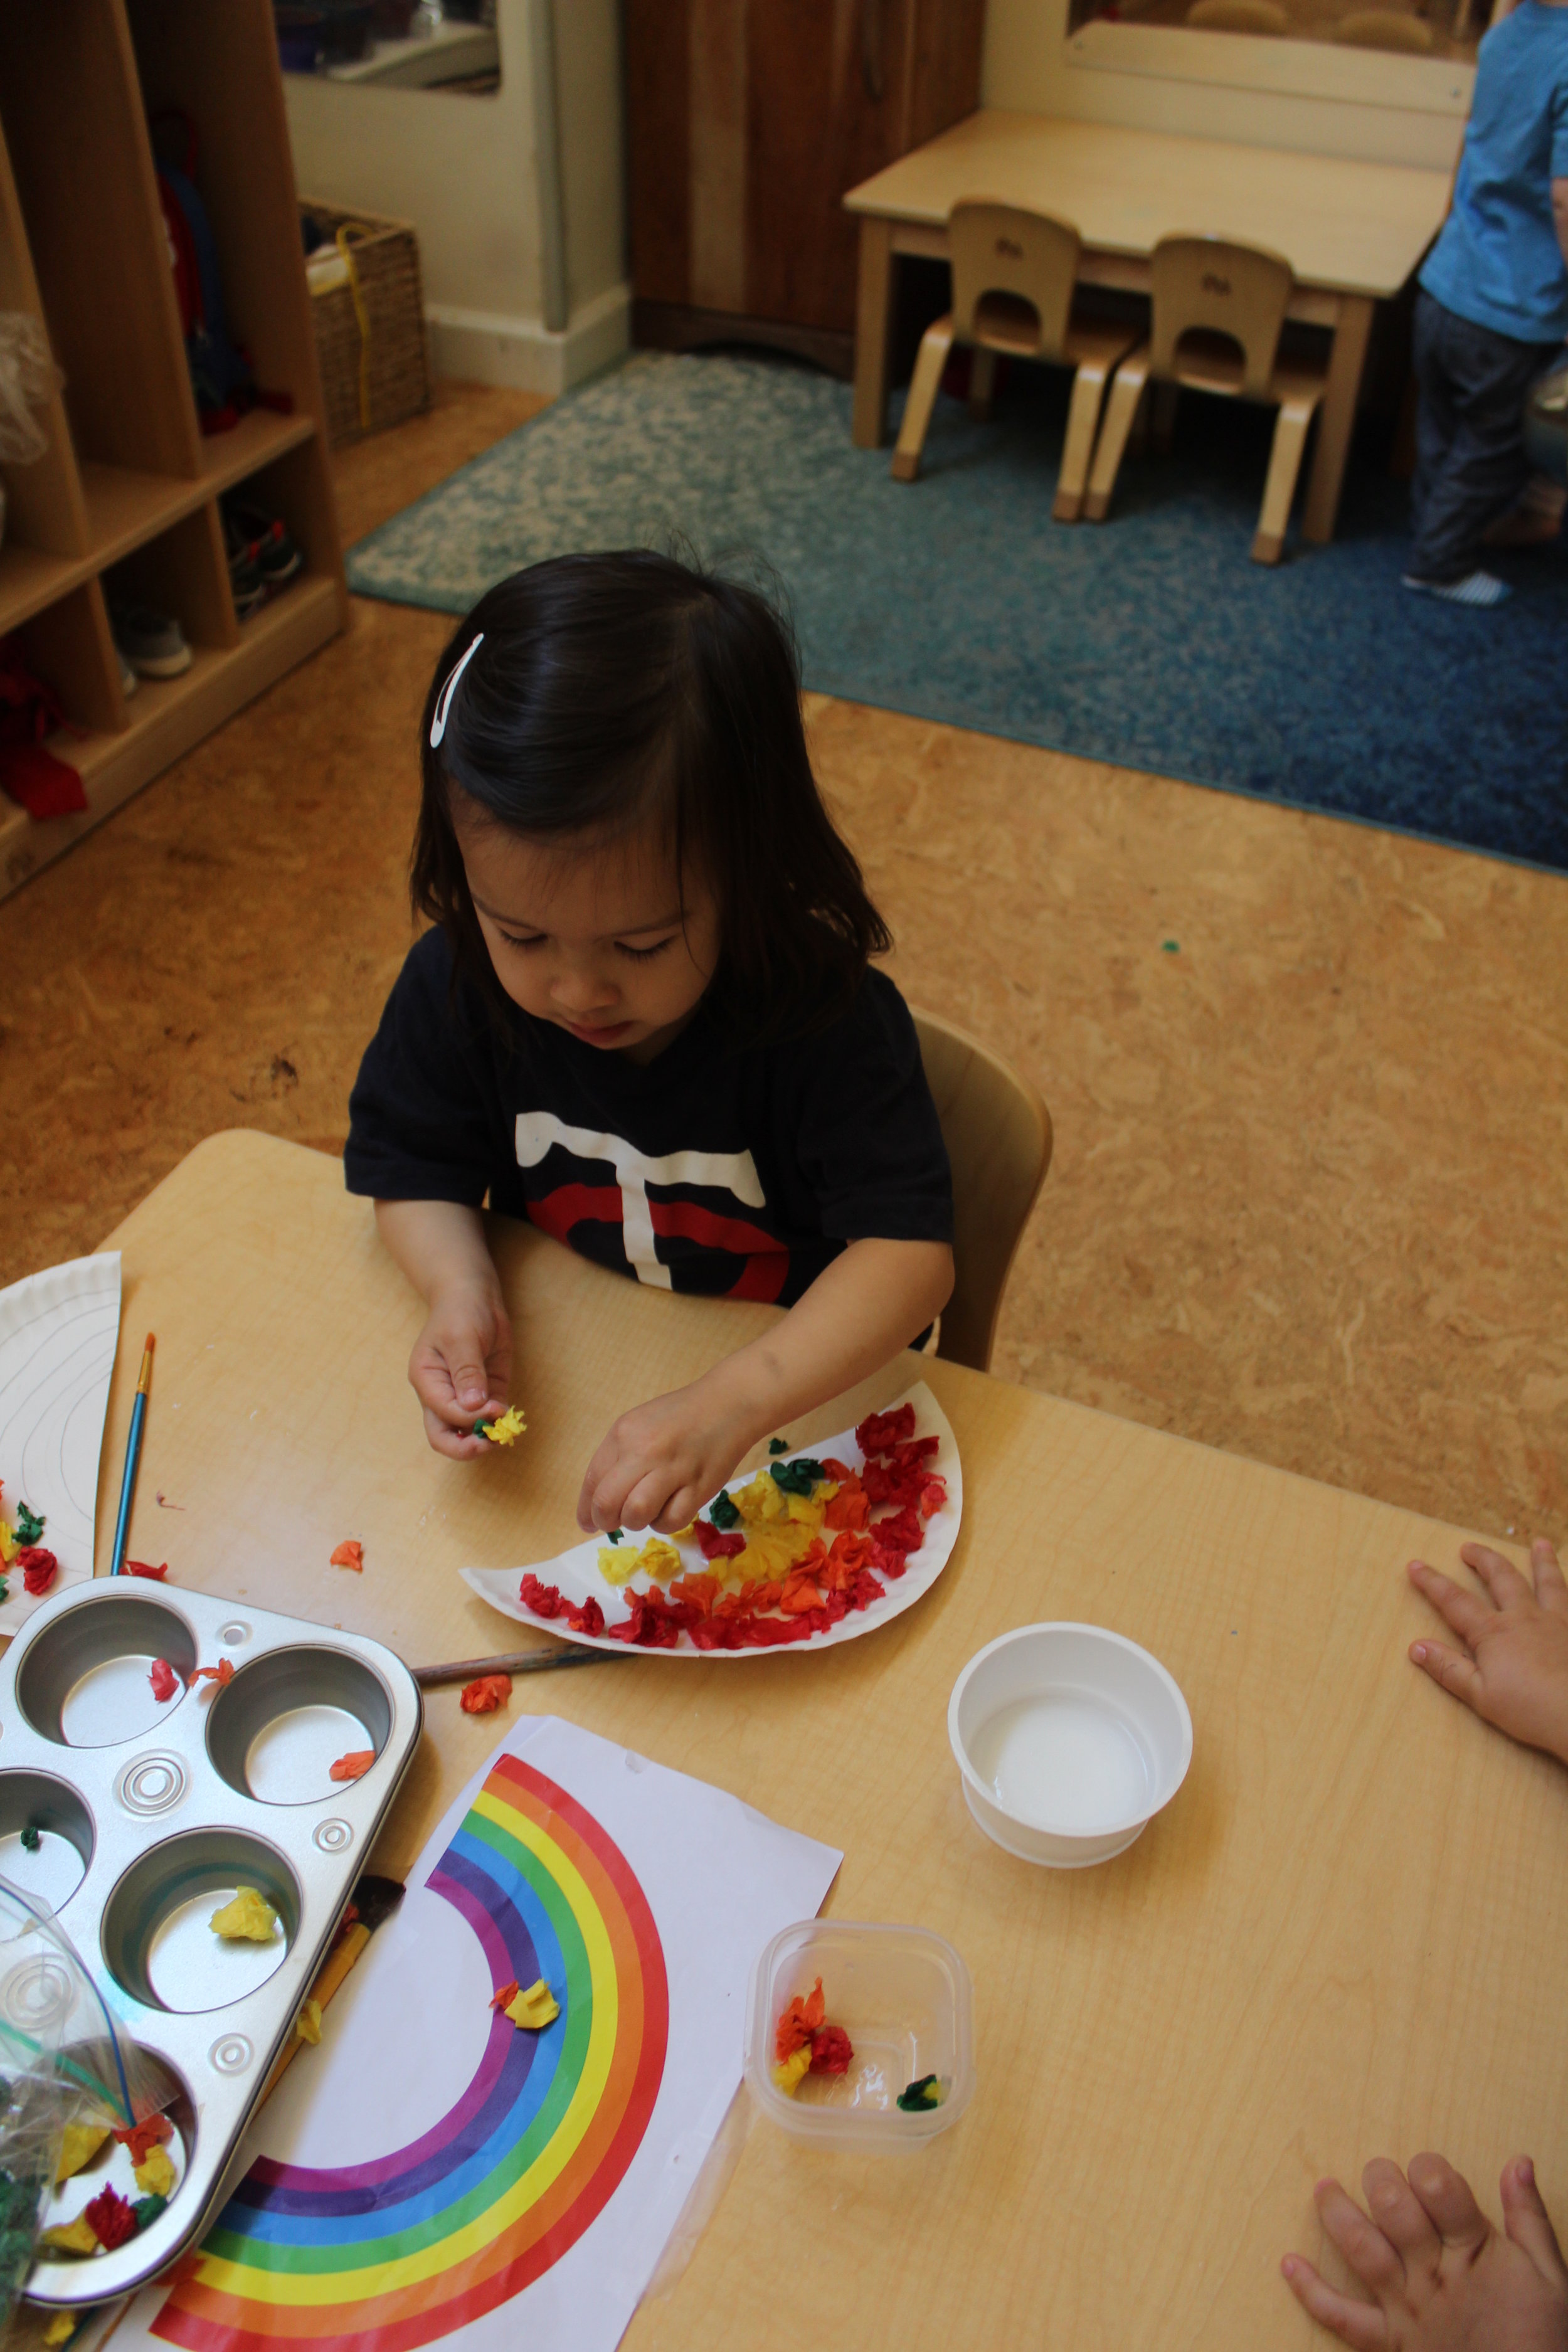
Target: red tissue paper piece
[[485, 1693], [222, 1674], [831, 2051], [145, 1567], [506, 1996], [113, 2219], [348, 1554], [353, 1766], [716, 1544], [165, 1682], [879, 1432], [798, 2022], [545, 1600], [142, 2137], [39, 1568], [589, 1619]]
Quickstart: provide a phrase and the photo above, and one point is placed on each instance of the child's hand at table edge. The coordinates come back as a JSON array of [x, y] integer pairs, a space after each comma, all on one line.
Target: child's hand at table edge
[[1514, 1667], [1441, 2277], [461, 1368]]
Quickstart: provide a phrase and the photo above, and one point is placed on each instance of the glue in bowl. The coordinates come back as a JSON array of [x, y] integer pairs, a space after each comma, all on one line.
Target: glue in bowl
[[904, 1998], [1069, 1739]]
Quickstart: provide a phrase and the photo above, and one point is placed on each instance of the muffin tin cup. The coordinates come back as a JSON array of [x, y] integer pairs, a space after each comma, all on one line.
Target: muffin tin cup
[[150, 1815]]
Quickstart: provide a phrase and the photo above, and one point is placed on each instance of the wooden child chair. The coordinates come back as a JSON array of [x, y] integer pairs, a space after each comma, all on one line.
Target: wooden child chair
[[1217, 312], [999, 1136], [1012, 278]]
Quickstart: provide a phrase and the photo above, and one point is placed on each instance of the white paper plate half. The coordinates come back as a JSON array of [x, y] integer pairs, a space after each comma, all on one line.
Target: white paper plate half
[[576, 1572]]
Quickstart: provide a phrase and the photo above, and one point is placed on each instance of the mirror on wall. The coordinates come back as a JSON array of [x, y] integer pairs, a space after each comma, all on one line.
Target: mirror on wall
[[450, 46], [1447, 30]]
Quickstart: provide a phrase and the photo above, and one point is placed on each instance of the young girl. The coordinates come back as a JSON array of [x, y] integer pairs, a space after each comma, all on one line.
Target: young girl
[[646, 1020]]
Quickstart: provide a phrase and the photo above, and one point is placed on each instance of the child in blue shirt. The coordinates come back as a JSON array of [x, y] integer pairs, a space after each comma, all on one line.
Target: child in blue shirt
[[1492, 308]]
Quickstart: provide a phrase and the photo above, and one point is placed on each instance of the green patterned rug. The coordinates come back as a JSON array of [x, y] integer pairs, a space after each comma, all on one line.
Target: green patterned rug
[[1151, 641]]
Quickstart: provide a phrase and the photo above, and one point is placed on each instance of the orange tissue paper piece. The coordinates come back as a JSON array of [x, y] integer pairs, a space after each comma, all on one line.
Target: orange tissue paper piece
[[506, 1995], [165, 1682], [222, 1674], [348, 1554], [485, 1693], [354, 1765], [145, 1567], [140, 2138], [798, 2022]]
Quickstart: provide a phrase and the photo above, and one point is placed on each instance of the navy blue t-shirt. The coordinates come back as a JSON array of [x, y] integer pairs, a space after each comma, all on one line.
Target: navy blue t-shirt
[[734, 1172]]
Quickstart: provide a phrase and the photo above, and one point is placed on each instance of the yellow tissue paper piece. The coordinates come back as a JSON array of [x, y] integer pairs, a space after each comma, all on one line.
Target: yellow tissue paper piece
[[509, 1428], [7, 1543], [306, 2025], [618, 1563], [770, 1552], [660, 1559], [809, 1510], [80, 2145], [787, 2075], [249, 1917], [78, 2237], [760, 1498], [156, 2174], [61, 2328], [534, 2009], [687, 1534]]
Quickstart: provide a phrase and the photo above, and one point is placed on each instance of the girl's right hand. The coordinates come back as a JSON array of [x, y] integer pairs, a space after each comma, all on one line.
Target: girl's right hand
[[461, 1367]]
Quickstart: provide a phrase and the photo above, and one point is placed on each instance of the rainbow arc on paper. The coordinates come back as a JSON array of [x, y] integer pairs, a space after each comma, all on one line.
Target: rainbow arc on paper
[[401, 2251]]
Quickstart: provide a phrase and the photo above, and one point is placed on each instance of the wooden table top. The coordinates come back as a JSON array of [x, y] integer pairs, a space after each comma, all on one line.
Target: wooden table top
[[1359, 228], [1331, 1944]]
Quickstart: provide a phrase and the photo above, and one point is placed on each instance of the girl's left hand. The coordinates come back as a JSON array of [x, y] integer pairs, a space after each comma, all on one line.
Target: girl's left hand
[[660, 1463]]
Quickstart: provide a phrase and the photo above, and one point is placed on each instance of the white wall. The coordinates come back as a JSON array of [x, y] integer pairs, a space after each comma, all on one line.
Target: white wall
[[465, 171], [1378, 109]]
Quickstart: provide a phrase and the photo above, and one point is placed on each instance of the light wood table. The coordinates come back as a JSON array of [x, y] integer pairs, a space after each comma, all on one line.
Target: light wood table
[[1353, 233], [1344, 1936]]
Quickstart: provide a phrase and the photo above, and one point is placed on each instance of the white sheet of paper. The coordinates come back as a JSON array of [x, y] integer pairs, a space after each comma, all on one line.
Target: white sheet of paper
[[388, 2126], [576, 1574], [58, 1332]]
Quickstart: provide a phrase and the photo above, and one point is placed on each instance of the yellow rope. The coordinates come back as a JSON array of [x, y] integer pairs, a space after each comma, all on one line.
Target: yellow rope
[[346, 235]]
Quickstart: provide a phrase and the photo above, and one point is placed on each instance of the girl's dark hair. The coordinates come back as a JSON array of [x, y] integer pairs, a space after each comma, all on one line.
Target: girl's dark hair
[[617, 690]]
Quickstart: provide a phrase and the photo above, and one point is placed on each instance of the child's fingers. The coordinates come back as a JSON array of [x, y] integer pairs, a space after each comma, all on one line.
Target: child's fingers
[[1467, 1614], [1550, 1589], [1527, 2221], [462, 1445], [1500, 1576], [1446, 2203], [1460, 1676], [1362, 2243], [1360, 2324]]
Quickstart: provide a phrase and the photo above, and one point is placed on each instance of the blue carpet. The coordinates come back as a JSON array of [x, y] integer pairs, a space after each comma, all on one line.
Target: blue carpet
[[1151, 641]]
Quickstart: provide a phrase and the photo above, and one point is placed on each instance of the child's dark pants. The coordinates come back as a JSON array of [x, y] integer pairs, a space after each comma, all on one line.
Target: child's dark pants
[[1470, 465]]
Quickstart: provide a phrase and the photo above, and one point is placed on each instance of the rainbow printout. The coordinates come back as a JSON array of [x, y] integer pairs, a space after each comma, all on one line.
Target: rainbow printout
[[432, 2174]]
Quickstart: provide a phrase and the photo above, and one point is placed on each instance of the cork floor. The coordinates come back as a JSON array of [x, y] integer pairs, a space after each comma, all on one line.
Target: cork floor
[[1309, 1081]]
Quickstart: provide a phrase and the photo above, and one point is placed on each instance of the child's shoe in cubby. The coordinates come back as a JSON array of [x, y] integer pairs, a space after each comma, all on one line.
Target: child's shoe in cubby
[[152, 643], [263, 538]]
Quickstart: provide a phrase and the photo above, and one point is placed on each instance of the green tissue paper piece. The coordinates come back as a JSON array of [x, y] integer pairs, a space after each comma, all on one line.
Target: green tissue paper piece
[[147, 2210], [926, 2093], [778, 1445], [617, 1534], [15, 2253], [29, 1524], [797, 1477], [30, 1839], [722, 1511], [5, 1588]]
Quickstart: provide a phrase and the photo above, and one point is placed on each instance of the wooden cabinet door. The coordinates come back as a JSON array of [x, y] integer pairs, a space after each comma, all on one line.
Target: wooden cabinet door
[[748, 119]]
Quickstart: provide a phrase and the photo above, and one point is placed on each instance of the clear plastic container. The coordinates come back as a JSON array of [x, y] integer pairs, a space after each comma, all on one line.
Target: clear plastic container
[[904, 1998]]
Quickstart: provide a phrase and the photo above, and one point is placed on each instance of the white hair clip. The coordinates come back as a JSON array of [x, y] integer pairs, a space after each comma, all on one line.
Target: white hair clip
[[438, 724]]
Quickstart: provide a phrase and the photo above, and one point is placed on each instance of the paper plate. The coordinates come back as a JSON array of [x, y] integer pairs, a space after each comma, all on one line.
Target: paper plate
[[576, 1572]]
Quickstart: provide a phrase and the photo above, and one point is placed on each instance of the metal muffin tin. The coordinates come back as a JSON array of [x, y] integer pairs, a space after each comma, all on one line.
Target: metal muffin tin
[[159, 1811]]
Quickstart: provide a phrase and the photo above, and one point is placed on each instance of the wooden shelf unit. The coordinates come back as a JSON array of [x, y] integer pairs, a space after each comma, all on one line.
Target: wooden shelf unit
[[127, 496]]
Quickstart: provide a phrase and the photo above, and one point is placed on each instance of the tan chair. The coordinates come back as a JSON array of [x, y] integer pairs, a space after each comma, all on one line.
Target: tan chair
[[999, 1136], [1238, 16], [1217, 314], [1012, 278], [1385, 28]]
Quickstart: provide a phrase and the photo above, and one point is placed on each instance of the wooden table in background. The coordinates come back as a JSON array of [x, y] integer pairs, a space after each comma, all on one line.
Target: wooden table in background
[[1353, 233], [1344, 1937]]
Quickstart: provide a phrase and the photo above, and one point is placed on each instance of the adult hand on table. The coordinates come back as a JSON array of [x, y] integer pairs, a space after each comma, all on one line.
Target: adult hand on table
[[1441, 2278], [1514, 1667]]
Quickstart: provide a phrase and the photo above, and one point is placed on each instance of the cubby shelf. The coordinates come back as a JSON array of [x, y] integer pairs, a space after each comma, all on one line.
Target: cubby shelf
[[126, 501]]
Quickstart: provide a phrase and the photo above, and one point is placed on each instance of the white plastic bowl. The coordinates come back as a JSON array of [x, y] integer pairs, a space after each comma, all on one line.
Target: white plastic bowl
[[1069, 1739]]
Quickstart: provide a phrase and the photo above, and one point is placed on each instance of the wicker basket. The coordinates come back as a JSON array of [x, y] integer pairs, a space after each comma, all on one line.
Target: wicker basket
[[370, 326]]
